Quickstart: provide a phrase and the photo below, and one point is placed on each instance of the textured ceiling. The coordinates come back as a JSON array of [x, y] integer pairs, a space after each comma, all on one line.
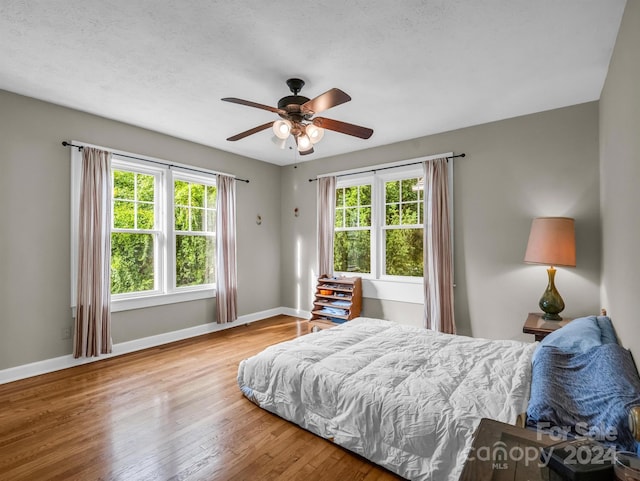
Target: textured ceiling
[[413, 68]]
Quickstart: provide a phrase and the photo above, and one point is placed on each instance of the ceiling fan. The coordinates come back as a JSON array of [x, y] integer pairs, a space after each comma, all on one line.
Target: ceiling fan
[[298, 119]]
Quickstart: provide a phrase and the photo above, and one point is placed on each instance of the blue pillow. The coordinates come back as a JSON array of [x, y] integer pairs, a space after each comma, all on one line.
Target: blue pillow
[[586, 393], [577, 337], [607, 333]]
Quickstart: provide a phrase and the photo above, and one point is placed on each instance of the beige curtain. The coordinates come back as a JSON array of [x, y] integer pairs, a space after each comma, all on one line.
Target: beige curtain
[[438, 255], [326, 219], [92, 332], [226, 269]]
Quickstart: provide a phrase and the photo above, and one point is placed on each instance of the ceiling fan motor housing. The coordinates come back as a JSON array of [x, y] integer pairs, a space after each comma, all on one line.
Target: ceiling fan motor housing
[[292, 105]]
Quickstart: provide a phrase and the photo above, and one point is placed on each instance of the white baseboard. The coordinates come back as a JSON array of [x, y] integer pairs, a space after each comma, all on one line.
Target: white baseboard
[[288, 311], [64, 362]]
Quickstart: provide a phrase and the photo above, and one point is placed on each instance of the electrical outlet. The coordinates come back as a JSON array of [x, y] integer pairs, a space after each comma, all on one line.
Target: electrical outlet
[[66, 332]]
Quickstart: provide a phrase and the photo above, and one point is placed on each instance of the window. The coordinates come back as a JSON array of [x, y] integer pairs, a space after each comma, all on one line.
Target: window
[[194, 209], [134, 231], [163, 233], [403, 228], [379, 227], [352, 237]]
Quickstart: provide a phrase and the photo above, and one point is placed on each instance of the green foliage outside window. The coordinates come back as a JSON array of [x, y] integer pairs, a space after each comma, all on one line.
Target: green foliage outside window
[[352, 251], [131, 263], [403, 244], [404, 252], [402, 222], [195, 221], [352, 238], [135, 232], [132, 253], [195, 260]]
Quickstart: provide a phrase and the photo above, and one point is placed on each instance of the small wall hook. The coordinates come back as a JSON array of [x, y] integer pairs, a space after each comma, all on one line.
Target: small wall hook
[[259, 219], [296, 212]]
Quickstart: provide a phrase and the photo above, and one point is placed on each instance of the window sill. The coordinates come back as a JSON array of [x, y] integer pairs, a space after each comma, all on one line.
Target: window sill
[[118, 305], [399, 289]]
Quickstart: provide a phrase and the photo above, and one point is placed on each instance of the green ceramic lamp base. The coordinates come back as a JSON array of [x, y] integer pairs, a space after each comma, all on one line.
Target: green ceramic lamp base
[[551, 303]]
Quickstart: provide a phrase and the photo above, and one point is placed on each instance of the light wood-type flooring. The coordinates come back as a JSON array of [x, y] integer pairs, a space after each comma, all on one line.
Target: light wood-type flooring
[[173, 412]]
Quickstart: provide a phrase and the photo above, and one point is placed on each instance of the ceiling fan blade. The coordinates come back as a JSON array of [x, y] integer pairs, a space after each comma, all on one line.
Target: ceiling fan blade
[[248, 103], [324, 101], [343, 127], [249, 132]]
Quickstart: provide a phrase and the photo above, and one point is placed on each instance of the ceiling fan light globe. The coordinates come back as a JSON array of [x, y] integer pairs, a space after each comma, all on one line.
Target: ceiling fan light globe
[[315, 133], [282, 128], [304, 143]]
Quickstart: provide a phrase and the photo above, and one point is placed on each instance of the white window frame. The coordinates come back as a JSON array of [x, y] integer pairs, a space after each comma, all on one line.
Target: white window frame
[[357, 180], [164, 255], [171, 241], [158, 232], [401, 173], [376, 284]]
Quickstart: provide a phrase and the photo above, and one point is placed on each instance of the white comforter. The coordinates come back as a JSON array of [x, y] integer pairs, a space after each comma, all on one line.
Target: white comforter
[[406, 398]]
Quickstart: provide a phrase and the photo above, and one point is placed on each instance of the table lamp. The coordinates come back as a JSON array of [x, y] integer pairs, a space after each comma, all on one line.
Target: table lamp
[[552, 242]]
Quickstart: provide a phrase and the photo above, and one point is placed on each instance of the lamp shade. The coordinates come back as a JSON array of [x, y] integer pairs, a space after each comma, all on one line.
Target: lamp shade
[[552, 242], [282, 128]]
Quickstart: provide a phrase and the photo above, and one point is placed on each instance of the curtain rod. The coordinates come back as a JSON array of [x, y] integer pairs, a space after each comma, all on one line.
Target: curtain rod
[[390, 167], [168, 164]]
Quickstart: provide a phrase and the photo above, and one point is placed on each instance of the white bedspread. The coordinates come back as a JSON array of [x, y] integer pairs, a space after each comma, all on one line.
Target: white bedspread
[[406, 398]]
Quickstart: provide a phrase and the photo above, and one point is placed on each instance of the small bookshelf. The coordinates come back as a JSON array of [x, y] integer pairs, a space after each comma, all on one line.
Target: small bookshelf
[[337, 300]]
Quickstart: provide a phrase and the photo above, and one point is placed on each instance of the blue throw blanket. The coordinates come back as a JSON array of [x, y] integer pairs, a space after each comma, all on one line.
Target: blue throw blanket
[[586, 394]]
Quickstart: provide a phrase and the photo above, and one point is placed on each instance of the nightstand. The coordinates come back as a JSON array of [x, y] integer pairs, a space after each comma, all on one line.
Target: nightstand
[[505, 452], [540, 327]]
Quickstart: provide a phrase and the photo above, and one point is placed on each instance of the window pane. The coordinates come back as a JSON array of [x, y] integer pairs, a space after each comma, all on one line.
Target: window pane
[[123, 215], [211, 196], [339, 197], [407, 189], [392, 191], [410, 213], [351, 196], [197, 219], [365, 216], [145, 216], [195, 260], [352, 251], [365, 195], [197, 195], [132, 262], [351, 217], [392, 214], [181, 218], [404, 252], [211, 221], [339, 222], [181, 193], [123, 185], [145, 187]]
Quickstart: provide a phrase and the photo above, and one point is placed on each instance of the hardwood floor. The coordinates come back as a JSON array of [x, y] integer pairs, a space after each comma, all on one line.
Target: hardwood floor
[[173, 412]]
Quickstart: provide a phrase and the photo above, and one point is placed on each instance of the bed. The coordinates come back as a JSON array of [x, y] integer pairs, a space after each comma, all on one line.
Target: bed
[[409, 399]]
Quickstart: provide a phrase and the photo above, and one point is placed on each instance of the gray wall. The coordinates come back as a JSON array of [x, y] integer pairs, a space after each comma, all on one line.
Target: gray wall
[[619, 181], [515, 169], [34, 228], [544, 164]]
